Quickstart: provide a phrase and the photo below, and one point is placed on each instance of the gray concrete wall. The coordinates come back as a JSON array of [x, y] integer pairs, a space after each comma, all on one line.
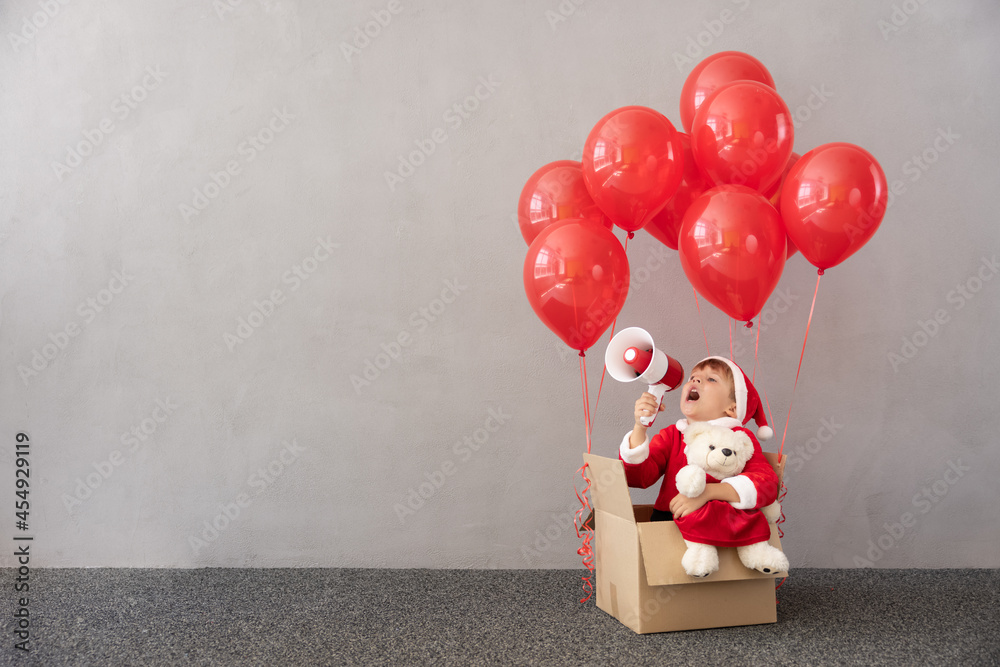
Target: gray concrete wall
[[201, 248]]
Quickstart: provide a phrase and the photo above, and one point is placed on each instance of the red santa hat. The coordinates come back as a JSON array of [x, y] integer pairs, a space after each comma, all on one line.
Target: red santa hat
[[748, 405]]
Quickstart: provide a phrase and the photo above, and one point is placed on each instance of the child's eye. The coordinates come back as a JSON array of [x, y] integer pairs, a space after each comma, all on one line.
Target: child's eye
[[711, 379]]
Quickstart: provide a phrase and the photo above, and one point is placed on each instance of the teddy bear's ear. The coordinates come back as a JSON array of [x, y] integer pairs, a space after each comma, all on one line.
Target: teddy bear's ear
[[695, 429], [692, 433], [744, 447]]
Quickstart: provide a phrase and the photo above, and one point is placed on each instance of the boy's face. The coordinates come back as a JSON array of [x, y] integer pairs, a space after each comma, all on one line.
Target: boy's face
[[706, 396]]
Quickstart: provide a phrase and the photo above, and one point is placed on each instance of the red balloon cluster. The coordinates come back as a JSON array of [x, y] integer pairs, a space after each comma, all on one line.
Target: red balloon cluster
[[713, 194]]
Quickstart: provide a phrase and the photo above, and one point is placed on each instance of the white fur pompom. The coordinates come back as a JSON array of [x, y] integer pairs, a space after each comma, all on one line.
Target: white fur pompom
[[765, 433]]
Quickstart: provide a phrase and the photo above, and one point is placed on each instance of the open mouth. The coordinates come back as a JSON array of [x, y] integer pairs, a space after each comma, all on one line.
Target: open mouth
[[693, 395]]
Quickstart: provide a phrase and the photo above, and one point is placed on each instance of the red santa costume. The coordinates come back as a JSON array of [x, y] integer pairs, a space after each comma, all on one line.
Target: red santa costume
[[717, 522]]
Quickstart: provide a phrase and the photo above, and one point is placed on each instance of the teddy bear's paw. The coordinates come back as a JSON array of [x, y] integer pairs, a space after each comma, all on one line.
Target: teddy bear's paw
[[763, 558], [772, 512], [700, 560], [690, 481]]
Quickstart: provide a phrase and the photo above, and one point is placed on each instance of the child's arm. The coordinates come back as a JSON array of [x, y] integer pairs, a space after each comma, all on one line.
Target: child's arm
[[646, 406], [757, 485], [641, 469], [681, 505]]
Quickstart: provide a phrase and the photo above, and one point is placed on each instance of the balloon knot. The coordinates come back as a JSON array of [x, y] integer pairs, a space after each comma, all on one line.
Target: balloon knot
[[582, 354], [631, 235], [749, 325], [820, 272]]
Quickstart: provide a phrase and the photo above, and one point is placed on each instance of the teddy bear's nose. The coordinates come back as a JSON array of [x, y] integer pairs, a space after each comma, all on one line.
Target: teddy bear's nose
[[727, 452]]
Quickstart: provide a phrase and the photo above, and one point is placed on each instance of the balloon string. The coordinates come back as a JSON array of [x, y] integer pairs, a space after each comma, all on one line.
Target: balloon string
[[770, 418], [801, 356], [604, 371], [698, 306], [731, 340], [586, 397], [581, 514], [756, 348]]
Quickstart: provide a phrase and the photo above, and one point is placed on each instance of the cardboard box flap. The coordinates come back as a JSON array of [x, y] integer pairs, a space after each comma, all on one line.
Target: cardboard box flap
[[608, 487], [662, 547]]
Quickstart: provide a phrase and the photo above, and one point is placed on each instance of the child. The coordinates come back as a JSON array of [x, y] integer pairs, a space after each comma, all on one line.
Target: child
[[725, 514]]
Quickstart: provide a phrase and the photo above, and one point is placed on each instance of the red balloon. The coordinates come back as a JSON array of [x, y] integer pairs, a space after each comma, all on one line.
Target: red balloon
[[742, 135], [666, 224], [576, 277], [833, 201], [732, 249], [555, 192], [632, 164], [714, 72]]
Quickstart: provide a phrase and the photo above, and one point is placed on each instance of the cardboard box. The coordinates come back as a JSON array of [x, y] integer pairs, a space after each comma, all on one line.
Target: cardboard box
[[640, 580]]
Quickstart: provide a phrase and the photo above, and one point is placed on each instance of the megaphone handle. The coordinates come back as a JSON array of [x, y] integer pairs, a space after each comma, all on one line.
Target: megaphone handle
[[657, 390]]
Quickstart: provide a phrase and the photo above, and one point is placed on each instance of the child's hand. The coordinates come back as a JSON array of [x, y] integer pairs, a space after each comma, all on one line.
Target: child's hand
[[681, 505], [645, 407]]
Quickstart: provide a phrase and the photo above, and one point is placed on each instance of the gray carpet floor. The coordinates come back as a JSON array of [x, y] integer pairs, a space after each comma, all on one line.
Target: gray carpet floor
[[483, 617]]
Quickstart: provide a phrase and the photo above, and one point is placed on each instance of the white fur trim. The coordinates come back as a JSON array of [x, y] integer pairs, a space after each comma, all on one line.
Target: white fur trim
[[728, 422], [765, 433], [637, 455], [748, 492]]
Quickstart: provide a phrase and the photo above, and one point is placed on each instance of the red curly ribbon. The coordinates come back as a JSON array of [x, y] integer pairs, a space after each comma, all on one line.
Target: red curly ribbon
[[581, 515]]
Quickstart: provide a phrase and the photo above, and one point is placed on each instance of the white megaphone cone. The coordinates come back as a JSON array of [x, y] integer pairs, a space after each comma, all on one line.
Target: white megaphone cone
[[631, 355]]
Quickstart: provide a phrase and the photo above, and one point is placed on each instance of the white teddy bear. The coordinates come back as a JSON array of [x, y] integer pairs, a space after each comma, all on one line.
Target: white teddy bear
[[722, 452]]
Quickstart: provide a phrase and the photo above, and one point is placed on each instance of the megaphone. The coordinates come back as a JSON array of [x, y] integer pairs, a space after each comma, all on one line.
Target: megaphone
[[631, 355]]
